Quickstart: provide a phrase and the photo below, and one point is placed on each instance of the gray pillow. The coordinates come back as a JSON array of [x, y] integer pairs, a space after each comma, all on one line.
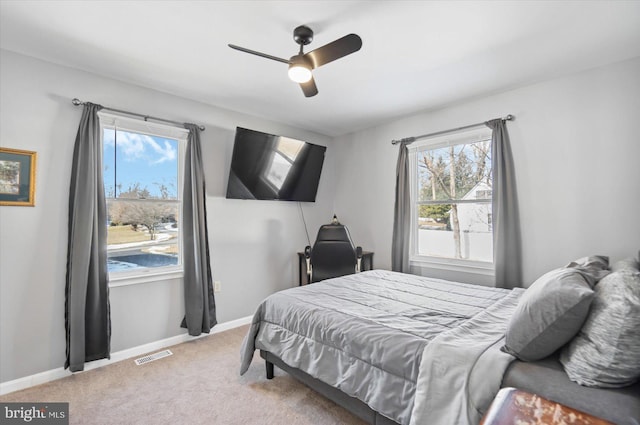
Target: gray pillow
[[606, 352], [548, 315], [593, 268], [626, 264], [596, 262]]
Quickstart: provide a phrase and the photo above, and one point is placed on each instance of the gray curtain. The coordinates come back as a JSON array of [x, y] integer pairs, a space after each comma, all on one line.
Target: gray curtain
[[87, 316], [507, 256], [200, 305], [401, 212]]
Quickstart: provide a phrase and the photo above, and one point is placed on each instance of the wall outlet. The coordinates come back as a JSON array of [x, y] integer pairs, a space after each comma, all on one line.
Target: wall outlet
[[217, 286]]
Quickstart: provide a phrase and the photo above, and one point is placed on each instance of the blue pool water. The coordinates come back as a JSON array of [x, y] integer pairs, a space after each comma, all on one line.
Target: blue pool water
[[136, 261]]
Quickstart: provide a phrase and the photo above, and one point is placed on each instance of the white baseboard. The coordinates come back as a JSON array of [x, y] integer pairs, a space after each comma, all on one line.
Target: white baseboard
[[53, 374]]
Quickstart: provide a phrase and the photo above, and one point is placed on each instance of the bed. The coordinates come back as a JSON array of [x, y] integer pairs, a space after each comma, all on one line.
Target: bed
[[394, 348], [378, 341]]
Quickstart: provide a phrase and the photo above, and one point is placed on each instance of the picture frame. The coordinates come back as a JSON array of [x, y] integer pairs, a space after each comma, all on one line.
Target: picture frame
[[17, 177]]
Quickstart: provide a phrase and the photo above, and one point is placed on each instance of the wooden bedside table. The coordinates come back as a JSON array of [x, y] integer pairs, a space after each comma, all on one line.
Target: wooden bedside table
[[517, 407]]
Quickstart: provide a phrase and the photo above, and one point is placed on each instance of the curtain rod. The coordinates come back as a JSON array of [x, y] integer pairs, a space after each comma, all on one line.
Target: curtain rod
[[438, 133], [78, 102]]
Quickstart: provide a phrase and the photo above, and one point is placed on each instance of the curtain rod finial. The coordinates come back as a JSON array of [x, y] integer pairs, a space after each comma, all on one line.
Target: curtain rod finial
[[509, 117], [406, 139], [76, 101]]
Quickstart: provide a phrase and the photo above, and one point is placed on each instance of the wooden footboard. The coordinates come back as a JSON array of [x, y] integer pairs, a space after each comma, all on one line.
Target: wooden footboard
[[351, 404]]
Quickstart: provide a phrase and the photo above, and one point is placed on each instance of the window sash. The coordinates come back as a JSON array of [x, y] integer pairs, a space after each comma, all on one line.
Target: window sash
[[451, 263], [144, 200], [116, 122], [453, 139], [159, 243], [111, 121], [455, 201]]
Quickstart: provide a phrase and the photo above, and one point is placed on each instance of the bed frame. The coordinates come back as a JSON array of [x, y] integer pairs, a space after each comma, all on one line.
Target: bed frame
[[352, 404], [544, 377]]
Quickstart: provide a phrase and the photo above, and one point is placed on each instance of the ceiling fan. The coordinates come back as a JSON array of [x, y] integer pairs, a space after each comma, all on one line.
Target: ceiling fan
[[301, 65]]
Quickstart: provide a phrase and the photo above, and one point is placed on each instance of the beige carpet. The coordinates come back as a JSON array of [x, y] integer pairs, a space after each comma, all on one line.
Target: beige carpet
[[199, 384]]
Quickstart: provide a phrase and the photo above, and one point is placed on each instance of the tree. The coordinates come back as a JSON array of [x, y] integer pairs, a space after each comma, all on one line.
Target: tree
[[137, 207], [450, 174], [481, 154], [148, 214], [465, 177], [455, 223], [438, 212]]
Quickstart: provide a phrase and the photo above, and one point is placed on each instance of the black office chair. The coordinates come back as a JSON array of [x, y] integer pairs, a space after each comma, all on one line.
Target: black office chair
[[333, 253]]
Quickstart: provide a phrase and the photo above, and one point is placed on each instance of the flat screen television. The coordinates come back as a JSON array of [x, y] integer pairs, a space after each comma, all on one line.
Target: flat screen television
[[269, 167]]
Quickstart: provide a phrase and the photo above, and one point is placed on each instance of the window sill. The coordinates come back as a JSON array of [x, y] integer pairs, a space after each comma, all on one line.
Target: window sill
[[146, 276], [463, 266]]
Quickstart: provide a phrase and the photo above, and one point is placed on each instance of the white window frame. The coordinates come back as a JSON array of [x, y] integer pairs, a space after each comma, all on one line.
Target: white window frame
[[485, 268], [119, 122]]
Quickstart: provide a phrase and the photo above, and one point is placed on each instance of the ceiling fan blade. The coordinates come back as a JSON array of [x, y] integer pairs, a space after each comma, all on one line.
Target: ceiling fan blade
[[253, 52], [335, 50], [309, 88]]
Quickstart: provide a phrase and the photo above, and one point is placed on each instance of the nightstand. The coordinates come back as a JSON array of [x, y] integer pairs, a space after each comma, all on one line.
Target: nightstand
[[516, 407]]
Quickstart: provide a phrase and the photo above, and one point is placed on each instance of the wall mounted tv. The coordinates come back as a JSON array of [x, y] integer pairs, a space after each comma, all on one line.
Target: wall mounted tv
[[269, 167]]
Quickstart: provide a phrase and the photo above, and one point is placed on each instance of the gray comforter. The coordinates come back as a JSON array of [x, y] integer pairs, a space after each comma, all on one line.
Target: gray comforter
[[365, 334]]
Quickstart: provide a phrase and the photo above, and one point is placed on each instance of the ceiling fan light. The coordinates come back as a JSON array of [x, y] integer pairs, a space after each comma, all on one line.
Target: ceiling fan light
[[299, 73]]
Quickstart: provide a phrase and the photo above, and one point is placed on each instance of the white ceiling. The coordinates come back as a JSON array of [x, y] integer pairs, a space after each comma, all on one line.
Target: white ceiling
[[416, 55]]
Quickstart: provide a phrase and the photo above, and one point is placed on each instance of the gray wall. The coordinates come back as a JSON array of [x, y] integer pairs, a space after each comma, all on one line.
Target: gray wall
[[253, 243], [576, 148]]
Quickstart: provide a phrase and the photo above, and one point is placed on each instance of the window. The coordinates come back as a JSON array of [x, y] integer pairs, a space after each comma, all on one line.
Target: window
[[142, 184], [451, 197]]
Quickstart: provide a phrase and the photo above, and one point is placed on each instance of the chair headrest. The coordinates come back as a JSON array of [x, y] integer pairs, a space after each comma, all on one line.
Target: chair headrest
[[333, 232]]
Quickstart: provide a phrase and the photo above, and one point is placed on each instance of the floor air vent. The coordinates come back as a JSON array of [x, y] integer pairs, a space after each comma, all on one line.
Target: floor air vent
[[152, 357]]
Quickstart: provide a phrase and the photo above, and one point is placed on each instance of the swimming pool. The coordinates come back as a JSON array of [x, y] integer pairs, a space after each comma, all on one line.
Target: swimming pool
[[141, 260]]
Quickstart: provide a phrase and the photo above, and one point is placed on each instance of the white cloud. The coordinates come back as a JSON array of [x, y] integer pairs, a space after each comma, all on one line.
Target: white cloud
[[137, 146], [166, 152]]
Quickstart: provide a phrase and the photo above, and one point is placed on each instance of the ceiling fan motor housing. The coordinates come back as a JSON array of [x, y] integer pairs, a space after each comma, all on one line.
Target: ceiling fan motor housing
[[303, 35]]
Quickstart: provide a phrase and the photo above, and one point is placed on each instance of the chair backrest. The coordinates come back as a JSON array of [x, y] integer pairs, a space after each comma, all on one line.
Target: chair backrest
[[333, 253]]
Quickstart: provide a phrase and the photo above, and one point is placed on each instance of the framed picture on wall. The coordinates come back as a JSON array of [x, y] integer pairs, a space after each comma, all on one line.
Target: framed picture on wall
[[17, 177]]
